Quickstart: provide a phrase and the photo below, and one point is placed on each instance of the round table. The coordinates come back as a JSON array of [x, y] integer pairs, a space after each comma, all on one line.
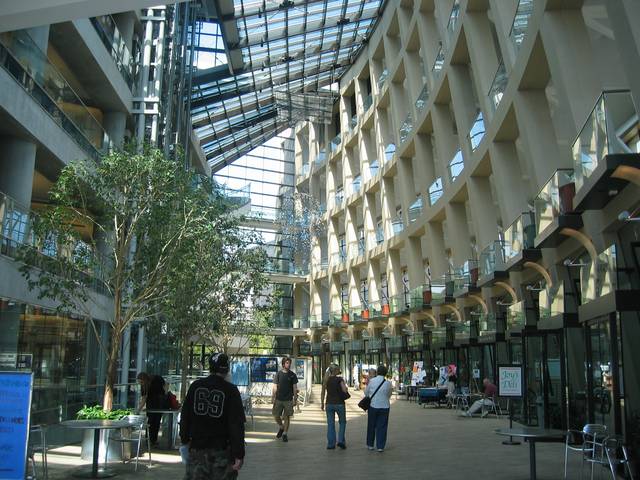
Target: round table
[[174, 413], [533, 435], [96, 426]]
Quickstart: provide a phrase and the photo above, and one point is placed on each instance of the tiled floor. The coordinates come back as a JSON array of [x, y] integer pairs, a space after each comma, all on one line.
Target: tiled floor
[[422, 443]]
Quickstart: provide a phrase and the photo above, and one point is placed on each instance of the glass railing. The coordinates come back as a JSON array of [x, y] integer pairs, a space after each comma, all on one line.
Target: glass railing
[[476, 134], [379, 308], [492, 259], [520, 235], [415, 210], [316, 348], [395, 343], [238, 197], [453, 19], [389, 152], [353, 123], [397, 225], [466, 276], [366, 103], [339, 257], [399, 303], [317, 321], [29, 65], [304, 171], [261, 212], [16, 223], [516, 315], [336, 347], [605, 277], [415, 342], [358, 314], [456, 165], [112, 39], [373, 168], [382, 79], [438, 64], [438, 337], [462, 330], [379, 234], [422, 99], [555, 198], [498, 86], [604, 132], [374, 344], [441, 290], [487, 324], [551, 301], [339, 197], [334, 145], [285, 266], [406, 127], [362, 246], [339, 317], [420, 297], [521, 22], [356, 183], [321, 158], [435, 191], [356, 345]]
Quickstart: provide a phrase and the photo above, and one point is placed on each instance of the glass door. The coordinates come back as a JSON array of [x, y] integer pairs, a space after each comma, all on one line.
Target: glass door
[[534, 397], [601, 373], [553, 380]]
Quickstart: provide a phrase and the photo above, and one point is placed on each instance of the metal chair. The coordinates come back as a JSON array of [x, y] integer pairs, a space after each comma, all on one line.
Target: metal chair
[[41, 448], [612, 447], [589, 442], [462, 399], [138, 426], [493, 407]]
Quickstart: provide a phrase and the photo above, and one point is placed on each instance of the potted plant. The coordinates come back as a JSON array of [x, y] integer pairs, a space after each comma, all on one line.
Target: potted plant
[[426, 296], [365, 314], [97, 413], [385, 309]]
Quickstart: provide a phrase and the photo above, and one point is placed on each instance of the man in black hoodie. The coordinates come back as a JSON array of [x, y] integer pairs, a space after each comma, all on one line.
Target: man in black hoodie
[[212, 424]]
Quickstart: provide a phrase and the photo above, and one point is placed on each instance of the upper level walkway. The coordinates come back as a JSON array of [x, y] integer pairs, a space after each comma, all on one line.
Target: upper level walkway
[[422, 443]]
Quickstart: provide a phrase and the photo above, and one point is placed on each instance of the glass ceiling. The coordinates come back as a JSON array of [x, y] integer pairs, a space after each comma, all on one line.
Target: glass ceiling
[[282, 64]]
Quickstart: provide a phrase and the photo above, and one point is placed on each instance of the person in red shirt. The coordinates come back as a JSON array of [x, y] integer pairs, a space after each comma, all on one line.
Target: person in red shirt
[[489, 393]]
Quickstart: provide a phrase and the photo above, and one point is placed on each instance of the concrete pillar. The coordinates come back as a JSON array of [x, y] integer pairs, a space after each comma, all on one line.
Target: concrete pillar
[[482, 210], [446, 140], [394, 273], [415, 265], [458, 233], [114, 124], [407, 193], [388, 206], [369, 213], [463, 102], [436, 250], [373, 278], [507, 175], [17, 164]]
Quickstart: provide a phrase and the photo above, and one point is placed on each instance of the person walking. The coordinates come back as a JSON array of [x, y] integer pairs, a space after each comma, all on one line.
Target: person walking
[[212, 425], [335, 389], [379, 390], [284, 398]]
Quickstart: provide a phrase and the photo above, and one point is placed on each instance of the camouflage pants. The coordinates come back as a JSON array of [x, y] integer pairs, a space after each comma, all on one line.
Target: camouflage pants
[[209, 464]]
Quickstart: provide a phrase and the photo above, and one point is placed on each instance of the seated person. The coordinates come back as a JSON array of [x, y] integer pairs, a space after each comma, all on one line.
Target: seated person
[[489, 392]]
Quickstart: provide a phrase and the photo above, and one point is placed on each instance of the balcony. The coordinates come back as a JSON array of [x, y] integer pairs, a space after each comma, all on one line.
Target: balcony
[[115, 44], [382, 79], [553, 308], [304, 171], [415, 210], [317, 348], [406, 128], [374, 345], [339, 318], [466, 279], [601, 152], [339, 197], [356, 184], [442, 292], [288, 321], [438, 64], [456, 166], [356, 346], [476, 134], [374, 168], [516, 318], [236, 197], [415, 342], [359, 314], [462, 331], [423, 98], [263, 213], [498, 86], [334, 145], [318, 321], [487, 327], [606, 286], [520, 23], [362, 246], [285, 266], [336, 347], [339, 257], [399, 304], [389, 152], [33, 70], [379, 235], [395, 344], [397, 225], [420, 298], [379, 309], [519, 242], [435, 191], [438, 337], [492, 264], [554, 209], [453, 20], [321, 159], [367, 103]]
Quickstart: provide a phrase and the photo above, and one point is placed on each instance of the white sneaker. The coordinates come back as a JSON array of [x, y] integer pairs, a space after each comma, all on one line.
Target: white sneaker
[[380, 450], [370, 448]]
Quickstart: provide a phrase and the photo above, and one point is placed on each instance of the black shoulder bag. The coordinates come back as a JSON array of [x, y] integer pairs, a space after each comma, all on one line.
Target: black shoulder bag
[[365, 403]]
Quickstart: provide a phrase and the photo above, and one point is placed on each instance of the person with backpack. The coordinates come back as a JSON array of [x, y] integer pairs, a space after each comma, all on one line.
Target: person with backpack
[[379, 392]]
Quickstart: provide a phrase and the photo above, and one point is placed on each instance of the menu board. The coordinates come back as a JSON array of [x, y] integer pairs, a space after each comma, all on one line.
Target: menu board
[[510, 380], [15, 411]]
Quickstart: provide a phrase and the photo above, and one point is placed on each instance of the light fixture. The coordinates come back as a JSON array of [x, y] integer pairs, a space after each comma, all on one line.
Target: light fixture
[[503, 304], [625, 216], [535, 288], [574, 263]]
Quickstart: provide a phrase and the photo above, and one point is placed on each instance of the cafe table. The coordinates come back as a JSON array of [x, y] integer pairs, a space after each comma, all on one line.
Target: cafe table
[[96, 426], [171, 425], [533, 435]]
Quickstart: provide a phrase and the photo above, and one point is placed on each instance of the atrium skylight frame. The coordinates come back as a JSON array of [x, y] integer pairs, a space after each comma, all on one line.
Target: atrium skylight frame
[[280, 53]]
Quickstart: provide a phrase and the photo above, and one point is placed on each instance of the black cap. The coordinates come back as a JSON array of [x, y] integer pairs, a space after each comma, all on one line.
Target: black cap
[[219, 363]]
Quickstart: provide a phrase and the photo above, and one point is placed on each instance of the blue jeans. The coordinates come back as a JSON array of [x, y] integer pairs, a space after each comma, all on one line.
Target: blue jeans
[[331, 411], [377, 423]]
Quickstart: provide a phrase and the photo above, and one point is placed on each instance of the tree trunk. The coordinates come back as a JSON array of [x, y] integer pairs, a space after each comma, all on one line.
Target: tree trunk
[[112, 370], [184, 365]]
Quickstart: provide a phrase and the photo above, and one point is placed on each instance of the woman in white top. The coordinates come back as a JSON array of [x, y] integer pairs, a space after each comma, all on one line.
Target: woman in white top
[[378, 419]]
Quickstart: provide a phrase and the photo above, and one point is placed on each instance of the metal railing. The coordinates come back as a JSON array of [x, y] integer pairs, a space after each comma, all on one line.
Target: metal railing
[[112, 39]]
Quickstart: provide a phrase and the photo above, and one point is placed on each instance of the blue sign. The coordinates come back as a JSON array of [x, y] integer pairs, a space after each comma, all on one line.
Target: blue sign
[[263, 369], [15, 410], [240, 373]]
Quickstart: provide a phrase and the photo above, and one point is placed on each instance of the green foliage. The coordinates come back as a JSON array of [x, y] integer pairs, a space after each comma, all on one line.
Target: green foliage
[[97, 413]]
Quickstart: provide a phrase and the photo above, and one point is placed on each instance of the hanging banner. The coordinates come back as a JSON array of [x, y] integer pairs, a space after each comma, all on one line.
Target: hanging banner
[[15, 412]]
